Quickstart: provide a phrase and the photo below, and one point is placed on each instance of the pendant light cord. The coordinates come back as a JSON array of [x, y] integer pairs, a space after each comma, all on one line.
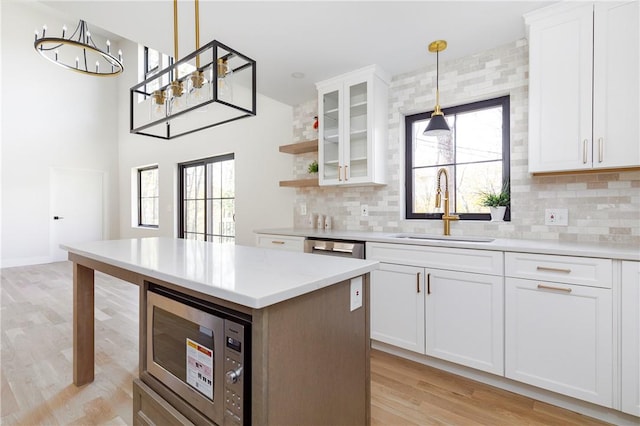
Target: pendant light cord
[[197, 8], [175, 30], [438, 79]]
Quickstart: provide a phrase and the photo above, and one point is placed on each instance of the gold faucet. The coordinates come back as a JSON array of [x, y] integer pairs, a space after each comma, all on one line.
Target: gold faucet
[[446, 217]]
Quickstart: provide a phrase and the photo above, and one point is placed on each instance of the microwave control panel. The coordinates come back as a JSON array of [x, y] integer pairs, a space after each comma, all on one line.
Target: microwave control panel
[[234, 373]]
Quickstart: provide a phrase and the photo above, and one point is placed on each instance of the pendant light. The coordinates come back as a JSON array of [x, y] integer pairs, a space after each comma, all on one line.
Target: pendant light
[[78, 52], [437, 124], [211, 86]]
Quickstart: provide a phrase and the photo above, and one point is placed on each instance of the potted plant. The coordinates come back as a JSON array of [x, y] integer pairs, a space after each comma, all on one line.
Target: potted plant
[[313, 167], [497, 203]]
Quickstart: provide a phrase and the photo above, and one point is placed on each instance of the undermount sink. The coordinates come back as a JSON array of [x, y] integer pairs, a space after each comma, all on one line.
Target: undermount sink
[[444, 238]]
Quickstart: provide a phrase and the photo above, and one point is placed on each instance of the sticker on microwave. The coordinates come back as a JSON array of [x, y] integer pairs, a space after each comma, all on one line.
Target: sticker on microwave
[[200, 368]]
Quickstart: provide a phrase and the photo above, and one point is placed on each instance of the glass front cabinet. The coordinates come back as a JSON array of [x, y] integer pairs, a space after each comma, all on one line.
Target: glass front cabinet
[[353, 122]]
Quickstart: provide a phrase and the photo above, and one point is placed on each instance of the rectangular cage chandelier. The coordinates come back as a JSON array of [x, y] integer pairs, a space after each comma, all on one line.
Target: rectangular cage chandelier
[[211, 86]]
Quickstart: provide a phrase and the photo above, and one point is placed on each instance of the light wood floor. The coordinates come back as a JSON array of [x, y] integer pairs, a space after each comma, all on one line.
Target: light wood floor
[[36, 376]]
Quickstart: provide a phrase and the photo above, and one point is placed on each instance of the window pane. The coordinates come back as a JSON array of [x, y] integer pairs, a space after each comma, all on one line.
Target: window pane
[[228, 212], [228, 179], [472, 180], [432, 150], [194, 216], [213, 184], [194, 182], [149, 183], [215, 217], [479, 135], [149, 211]]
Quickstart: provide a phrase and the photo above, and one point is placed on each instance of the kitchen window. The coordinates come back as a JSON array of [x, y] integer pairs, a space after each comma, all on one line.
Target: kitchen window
[[148, 193], [207, 199], [476, 156]]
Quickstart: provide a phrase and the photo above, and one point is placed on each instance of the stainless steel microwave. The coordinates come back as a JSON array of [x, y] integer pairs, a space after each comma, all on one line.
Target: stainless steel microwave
[[201, 352]]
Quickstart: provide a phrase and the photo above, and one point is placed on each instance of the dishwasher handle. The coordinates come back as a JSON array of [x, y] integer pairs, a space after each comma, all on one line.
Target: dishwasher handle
[[335, 248]]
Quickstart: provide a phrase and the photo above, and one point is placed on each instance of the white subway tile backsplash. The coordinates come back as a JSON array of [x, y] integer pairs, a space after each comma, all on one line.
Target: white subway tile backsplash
[[603, 207]]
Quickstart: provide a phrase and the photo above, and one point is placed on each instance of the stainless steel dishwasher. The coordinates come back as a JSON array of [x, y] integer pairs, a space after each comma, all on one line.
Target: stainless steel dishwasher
[[354, 249]]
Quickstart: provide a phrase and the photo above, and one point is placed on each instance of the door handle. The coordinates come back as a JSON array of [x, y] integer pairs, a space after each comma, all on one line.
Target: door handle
[[584, 151], [418, 282], [58, 217], [429, 283], [600, 149]]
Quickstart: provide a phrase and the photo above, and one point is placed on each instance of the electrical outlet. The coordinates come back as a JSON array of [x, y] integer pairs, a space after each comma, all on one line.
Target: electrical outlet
[[556, 217], [303, 209], [356, 293], [364, 210]]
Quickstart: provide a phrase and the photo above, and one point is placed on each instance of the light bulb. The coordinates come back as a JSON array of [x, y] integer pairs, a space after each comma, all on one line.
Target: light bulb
[[198, 89], [225, 81], [158, 105]]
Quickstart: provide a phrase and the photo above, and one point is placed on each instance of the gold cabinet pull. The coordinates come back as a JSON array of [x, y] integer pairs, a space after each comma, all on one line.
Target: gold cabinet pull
[[550, 287], [346, 175], [277, 242], [340, 173], [549, 269], [600, 150], [418, 282], [429, 283], [584, 151]]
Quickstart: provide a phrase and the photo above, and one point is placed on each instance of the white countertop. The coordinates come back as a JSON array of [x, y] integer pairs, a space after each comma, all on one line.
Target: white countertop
[[600, 250], [249, 276]]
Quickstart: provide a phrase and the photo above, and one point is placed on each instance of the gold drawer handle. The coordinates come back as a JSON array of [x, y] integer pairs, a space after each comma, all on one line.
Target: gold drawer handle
[[548, 269], [277, 242], [549, 287]]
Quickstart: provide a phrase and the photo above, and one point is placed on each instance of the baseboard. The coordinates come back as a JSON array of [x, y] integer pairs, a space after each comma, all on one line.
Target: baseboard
[[24, 261], [585, 408]]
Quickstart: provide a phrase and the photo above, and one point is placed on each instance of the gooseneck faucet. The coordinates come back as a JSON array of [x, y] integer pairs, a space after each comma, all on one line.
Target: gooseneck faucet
[[446, 217]]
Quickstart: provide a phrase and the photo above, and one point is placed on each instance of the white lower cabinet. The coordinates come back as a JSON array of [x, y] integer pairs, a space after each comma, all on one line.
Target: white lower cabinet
[[630, 338], [559, 337], [397, 306], [464, 319]]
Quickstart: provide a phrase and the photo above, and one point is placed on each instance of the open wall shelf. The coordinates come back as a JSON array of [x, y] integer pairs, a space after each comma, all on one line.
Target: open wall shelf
[[300, 147]]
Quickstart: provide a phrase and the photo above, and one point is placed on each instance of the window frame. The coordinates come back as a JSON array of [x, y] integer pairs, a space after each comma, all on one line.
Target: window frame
[[140, 170], [201, 162], [503, 101]]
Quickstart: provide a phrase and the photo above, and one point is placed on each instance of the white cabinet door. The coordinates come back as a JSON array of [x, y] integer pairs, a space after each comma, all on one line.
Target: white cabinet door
[[559, 337], [584, 90], [560, 94], [630, 338], [397, 306], [464, 320], [352, 128], [616, 96]]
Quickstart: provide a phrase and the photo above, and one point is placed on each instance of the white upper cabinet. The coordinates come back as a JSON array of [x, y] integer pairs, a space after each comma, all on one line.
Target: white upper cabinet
[[353, 120], [583, 87]]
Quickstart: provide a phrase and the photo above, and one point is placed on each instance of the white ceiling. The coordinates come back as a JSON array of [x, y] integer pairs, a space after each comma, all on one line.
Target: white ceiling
[[318, 38]]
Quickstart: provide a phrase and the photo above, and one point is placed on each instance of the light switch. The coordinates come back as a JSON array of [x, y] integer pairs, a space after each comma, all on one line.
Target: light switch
[[356, 293]]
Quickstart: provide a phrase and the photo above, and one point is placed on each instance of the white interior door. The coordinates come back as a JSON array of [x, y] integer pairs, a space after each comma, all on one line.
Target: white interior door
[[76, 202]]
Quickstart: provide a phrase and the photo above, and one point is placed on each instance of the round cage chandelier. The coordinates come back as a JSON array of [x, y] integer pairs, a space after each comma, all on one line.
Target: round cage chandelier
[[79, 52]]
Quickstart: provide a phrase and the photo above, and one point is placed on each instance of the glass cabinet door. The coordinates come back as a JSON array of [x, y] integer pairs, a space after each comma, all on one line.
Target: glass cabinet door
[[356, 147], [330, 124]]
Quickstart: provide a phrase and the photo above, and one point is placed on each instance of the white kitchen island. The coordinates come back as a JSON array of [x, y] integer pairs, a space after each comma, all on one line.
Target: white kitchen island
[[305, 329]]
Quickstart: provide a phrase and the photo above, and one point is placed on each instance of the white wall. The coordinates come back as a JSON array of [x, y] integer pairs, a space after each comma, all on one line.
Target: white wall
[[51, 117], [55, 118], [260, 202]]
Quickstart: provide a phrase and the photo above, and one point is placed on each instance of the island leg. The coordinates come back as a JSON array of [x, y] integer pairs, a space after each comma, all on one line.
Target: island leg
[[83, 326]]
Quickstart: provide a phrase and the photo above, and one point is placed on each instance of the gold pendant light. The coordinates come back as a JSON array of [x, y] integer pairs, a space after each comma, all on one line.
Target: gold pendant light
[[437, 124]]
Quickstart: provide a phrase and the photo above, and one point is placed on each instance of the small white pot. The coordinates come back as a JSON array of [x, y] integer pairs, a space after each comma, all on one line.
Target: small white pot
[[497, 213]]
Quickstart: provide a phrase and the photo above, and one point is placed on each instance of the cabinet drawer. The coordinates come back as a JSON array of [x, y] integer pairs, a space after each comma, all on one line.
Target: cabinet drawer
[[464, 260], [564, 269], [150, 409], [280, 242]]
